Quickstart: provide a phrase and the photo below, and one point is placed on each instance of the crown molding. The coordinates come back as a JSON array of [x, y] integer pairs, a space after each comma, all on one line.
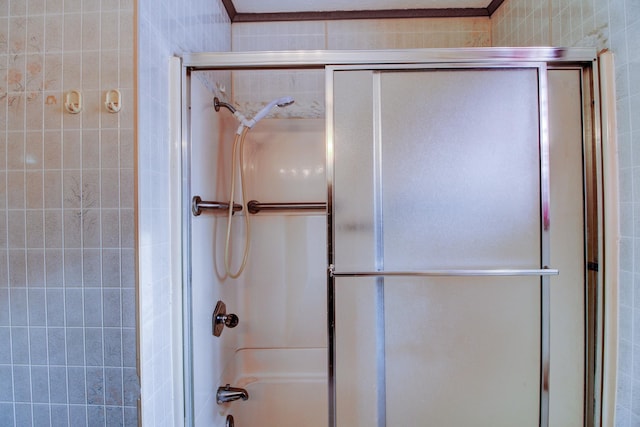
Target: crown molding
[[234, 16]]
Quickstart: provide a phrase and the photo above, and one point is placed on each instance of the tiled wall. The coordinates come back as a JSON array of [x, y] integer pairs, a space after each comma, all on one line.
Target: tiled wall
[[307, 87], [520, 23], [555, 23], [165, 28], [612, 24], [67, 292], [362, 34]]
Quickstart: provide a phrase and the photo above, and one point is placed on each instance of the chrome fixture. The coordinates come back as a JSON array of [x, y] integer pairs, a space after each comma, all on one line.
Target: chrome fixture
[[249, 123], [221, 319], [230, 422], [544, 271], [217, 104], [198, 205], [254, 206], [229, 394], [280, 102]]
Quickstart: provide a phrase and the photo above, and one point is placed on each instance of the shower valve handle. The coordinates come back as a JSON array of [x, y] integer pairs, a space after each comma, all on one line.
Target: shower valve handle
[[230, 320], [221, 319]]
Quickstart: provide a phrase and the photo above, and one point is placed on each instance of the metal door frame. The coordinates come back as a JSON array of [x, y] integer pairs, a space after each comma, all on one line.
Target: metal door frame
[[593, 238], [544, 271], [583, 58]]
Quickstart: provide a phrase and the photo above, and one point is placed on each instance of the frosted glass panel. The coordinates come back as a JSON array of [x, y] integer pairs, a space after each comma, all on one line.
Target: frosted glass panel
[[449, 343], [356, 365], [462, 351], [437, 169], [567, 254], [353, 202], [460, 160]]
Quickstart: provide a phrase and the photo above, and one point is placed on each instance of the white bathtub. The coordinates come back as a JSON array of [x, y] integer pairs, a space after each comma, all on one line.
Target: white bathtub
[[287, 387]]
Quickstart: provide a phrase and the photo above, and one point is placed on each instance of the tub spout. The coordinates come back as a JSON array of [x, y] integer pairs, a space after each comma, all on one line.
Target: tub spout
[[229, 394]]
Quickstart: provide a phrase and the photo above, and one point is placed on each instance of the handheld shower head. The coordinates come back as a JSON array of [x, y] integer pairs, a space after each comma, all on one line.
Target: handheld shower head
[[285, 101], [280, 102], [249, 123]]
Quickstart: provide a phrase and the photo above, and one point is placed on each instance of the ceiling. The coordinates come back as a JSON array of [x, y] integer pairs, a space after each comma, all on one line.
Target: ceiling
[[290, 10]]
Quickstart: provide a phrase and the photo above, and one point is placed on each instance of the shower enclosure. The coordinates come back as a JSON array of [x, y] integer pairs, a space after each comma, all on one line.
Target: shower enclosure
[[426, 239]]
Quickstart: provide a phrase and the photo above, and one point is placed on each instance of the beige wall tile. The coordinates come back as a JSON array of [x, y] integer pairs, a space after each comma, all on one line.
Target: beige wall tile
[[90, 30], [35, 190], [72, 40], [34, 151]]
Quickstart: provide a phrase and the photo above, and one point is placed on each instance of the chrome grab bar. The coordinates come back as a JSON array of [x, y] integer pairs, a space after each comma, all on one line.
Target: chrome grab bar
[[197, 206], [255, 206], [446, 273]]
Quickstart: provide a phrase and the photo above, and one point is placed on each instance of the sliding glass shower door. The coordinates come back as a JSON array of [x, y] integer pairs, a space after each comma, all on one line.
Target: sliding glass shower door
[[441, 249]]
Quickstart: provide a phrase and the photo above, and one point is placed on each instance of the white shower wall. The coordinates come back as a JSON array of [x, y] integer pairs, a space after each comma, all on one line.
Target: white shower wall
[[283, 292], [280, 296]]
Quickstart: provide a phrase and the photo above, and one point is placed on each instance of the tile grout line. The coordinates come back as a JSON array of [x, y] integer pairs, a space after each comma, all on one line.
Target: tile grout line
[[44, 266], [119, 228], [62, 217], [6, 220], [100, 208], [24, 219]]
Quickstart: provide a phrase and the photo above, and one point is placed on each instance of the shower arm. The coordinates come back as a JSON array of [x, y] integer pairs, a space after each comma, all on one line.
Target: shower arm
[[217, 104], [244, 123]]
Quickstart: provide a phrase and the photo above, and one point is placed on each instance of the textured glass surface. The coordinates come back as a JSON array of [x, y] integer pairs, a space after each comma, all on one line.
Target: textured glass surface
[[567, 249], [460, 169], [356, 338], [462, 351], [457, 155], [353, 203]]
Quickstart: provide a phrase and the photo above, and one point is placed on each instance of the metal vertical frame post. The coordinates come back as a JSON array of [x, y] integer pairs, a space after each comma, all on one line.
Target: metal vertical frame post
[[187, 336], [545, 196], [381, 370], [176, 111], [604, 92], [594, 248], [331, 306]]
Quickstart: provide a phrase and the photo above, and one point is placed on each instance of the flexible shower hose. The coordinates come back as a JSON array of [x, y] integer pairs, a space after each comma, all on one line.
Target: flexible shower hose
[[238, 145]]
